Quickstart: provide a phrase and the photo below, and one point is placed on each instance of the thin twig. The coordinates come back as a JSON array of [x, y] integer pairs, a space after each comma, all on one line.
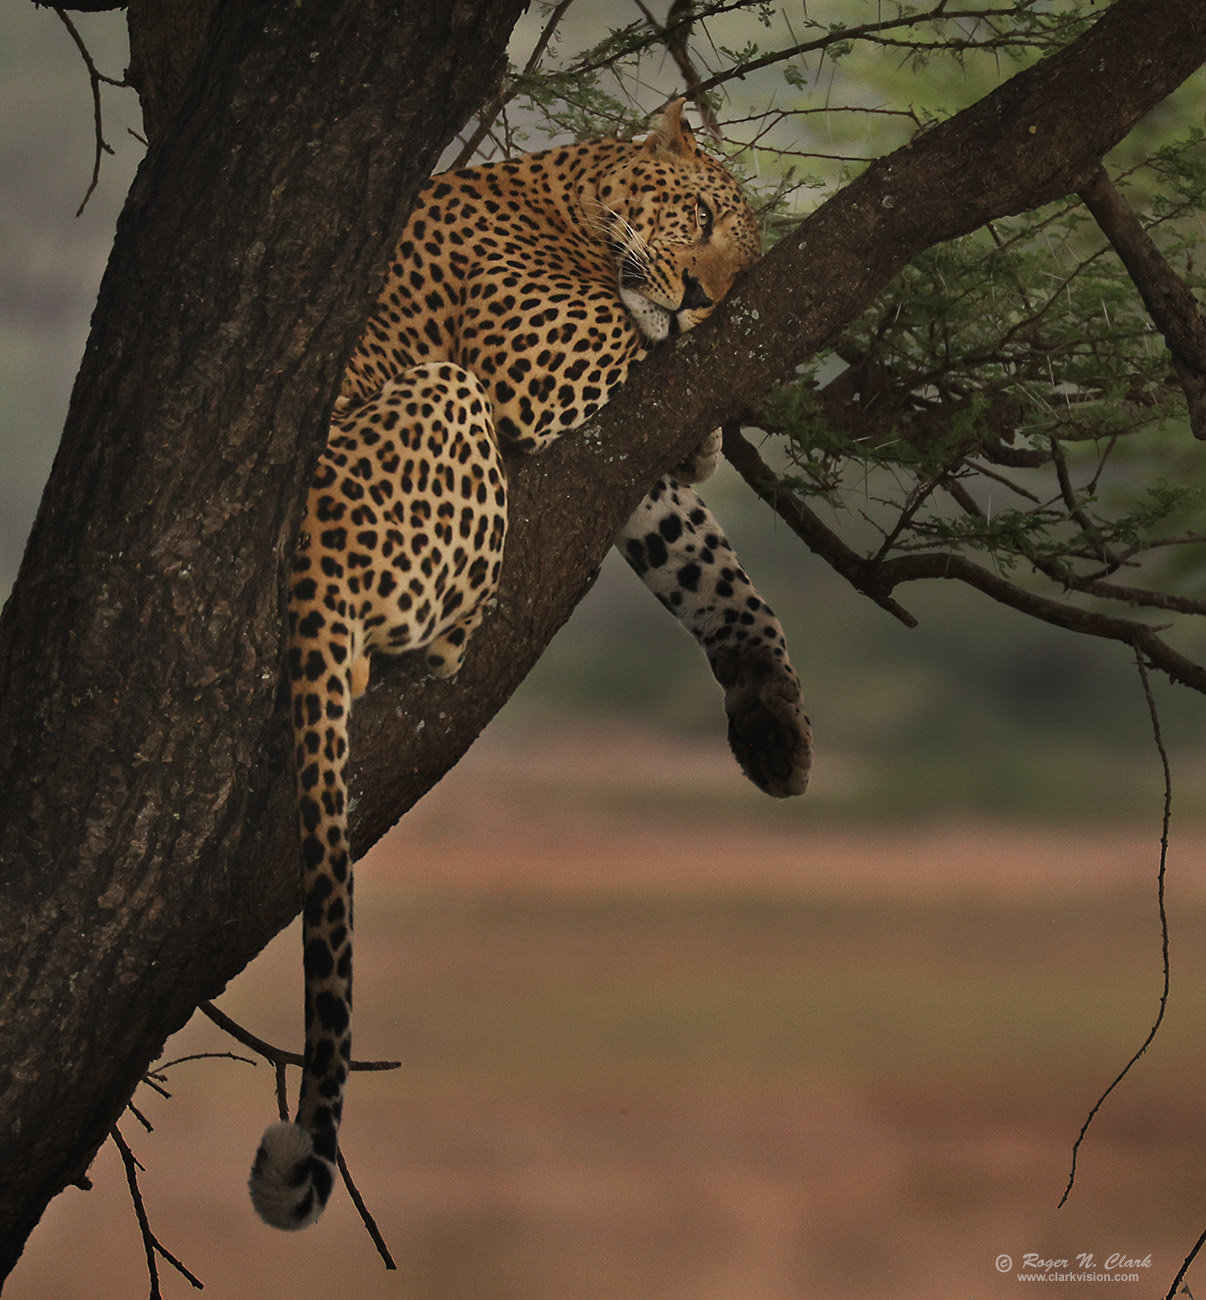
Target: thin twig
[[279, 1059], [1160, 884], [1189, 1259], [201, 1056], [95, 77], [369, 1222], [489, 112], [151, 1244], [140, 1117], [276, 1055]]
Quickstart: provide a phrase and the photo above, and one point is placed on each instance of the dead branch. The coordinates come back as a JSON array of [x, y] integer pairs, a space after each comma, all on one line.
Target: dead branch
[[278, 1058], [362, 1209], [151, 1244], [95, 78], [1189, 1259], [276, 1055]]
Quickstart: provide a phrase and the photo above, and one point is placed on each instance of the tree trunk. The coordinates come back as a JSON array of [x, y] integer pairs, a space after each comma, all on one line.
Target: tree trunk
[[142, 769], [146, 804]]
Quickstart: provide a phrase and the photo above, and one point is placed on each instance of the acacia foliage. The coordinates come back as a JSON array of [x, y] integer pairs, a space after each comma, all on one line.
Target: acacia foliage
[[1016, 409]]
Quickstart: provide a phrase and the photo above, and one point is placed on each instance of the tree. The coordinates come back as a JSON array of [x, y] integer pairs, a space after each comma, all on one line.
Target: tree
[[145, 801]]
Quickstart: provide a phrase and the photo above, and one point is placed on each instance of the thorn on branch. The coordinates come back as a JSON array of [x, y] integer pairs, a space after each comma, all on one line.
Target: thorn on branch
[[675, 34]]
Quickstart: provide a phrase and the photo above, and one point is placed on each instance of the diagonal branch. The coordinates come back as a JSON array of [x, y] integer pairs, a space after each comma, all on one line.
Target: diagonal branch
[[151, 1244], [1173, 306]]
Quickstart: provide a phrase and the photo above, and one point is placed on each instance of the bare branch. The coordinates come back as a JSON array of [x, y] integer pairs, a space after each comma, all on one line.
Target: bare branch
[[151, 1244], [279, 1058], [1189, 1259], [276, 1055], [1163, 912], [369, 1222], [95, 77]]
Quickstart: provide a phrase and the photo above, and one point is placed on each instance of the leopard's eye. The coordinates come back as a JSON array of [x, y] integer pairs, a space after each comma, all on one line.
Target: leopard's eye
[[703, 215]]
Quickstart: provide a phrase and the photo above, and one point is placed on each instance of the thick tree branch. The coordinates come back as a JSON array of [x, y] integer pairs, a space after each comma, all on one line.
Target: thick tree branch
[[1033, 140]]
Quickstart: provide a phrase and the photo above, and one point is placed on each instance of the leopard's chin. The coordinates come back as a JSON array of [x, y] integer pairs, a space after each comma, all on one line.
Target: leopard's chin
[[652, 319]]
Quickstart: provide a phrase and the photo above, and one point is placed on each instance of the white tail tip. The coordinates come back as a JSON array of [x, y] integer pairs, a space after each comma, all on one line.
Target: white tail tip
[[289, 1182]]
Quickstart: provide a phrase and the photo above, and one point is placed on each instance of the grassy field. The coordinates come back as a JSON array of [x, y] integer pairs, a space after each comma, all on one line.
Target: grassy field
[[669, 1053]]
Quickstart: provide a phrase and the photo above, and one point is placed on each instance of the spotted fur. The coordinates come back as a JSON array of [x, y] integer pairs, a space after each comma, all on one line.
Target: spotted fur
[[518, 297]]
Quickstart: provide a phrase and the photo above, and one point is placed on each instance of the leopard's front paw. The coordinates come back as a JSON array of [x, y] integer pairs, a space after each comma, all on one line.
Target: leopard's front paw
[[769, 731], [701, 464]]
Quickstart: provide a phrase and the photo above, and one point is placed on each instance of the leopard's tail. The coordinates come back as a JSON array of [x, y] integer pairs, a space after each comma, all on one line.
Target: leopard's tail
[[295, 1165]]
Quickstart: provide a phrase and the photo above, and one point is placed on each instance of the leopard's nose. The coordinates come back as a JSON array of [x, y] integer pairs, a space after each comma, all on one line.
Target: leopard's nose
[[694, 297]]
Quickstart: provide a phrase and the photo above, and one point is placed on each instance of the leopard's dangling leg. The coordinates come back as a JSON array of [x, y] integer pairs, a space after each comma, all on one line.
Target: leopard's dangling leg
[[681, 554]]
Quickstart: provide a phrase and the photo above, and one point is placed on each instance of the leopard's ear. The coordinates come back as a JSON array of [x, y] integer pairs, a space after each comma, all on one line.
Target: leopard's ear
[[672, 134]]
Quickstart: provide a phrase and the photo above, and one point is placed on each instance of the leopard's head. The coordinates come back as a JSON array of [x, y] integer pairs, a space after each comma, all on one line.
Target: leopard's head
[[678, 227]]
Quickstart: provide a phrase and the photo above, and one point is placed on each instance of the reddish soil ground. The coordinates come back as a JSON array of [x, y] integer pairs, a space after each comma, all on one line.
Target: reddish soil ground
[[663, 1042]]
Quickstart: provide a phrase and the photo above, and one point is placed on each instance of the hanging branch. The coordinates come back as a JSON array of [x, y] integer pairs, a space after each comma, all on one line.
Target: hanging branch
[[1161, 876]]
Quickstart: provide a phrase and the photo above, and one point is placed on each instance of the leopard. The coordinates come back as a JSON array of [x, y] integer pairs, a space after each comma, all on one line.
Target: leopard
[[519, 296]]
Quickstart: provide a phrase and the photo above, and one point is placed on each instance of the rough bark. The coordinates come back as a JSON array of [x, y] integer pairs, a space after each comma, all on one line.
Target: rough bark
[[140, 734], [144, 802]]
